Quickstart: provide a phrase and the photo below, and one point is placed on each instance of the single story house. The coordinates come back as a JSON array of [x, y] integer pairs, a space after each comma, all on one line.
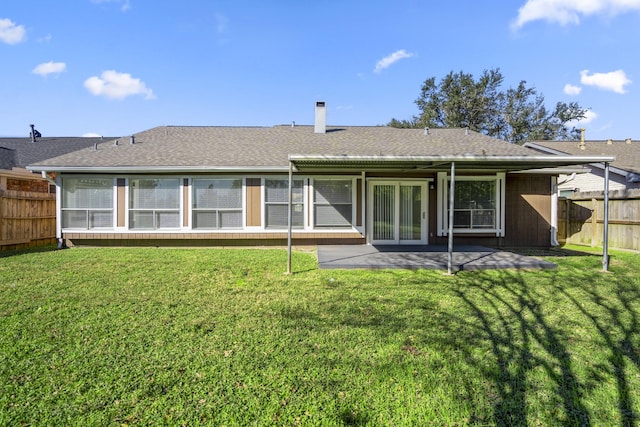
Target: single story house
[[179, 185], [624, 170]]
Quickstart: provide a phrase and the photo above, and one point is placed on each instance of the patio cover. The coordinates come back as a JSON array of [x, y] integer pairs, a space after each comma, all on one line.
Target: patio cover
[[463, 162], [540, 164]]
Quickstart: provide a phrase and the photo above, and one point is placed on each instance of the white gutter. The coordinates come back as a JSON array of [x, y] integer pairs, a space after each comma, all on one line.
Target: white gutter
[[157, 169], [598, 165], [571, 178], [564, 170], [533, 162], [554, 207], [554, 211], [58, 204], [566, 159], [45, 176], [545, 160]]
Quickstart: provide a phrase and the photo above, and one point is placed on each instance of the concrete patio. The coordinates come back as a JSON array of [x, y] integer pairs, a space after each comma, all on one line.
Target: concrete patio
[[423, 257]]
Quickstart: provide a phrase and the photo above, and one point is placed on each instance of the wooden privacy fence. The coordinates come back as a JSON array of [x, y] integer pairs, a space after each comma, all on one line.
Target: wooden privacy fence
[[27, 214], [581, 219]]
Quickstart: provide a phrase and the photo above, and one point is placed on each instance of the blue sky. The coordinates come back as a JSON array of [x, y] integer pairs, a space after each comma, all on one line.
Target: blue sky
[[116, 67]]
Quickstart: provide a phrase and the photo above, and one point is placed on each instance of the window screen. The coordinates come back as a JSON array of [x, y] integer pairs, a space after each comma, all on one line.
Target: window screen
[[154, 203], [475, 204], [87, 203], [217, 203], [276, 202], [333, 206]]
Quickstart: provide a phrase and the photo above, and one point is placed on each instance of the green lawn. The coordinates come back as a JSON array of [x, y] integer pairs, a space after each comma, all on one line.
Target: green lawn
[[223, 337]]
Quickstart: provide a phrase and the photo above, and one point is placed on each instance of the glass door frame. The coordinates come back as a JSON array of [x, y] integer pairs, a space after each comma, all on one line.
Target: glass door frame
[[424, 222]]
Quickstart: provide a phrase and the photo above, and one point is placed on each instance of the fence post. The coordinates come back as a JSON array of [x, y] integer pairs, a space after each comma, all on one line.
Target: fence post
[[564, 208], [594, 222], [567, 230], [605, 206], [2, 202]]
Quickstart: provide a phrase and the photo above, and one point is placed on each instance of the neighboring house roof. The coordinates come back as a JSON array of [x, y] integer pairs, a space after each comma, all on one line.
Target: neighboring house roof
[[20, 152], [626, 153], [7, 158], [172, 148]]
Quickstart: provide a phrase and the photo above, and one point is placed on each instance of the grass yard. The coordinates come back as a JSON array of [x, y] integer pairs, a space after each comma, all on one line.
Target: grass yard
[[223, 337]]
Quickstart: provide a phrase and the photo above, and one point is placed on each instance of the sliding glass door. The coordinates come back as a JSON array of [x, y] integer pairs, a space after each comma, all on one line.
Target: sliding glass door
[[398, 212]]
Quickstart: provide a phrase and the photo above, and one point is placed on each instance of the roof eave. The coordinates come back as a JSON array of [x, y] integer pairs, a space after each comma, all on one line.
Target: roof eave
[[506, 163], [155, 169], [613, 169], [345, 162], [564, 170]]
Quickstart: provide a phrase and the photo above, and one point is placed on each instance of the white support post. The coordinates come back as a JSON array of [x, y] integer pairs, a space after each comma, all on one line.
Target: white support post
[[363, 203], [451, 207], [289, 226], [605, 238], [58, 183], [554, 211]]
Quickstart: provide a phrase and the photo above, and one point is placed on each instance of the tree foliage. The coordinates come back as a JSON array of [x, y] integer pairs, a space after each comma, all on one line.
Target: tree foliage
[[516, 115]]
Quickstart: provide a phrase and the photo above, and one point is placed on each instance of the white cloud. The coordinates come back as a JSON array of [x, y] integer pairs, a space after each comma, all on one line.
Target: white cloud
[[570, 89], [387, 61], [45, 39], [10, 33], [614, 80], [590, 116], [126, 5], [566, 12], [114, 85], [91, 135], [50, 67], [222, 22]]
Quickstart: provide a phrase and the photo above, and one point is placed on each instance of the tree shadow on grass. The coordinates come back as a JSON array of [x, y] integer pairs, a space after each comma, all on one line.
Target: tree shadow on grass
[[514, 318], [510, 317], [553, 251], [519, 333], [618, 325]]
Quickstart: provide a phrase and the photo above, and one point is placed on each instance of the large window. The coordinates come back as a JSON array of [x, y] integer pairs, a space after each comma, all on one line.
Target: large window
[[474, 205], [154, 203], [332, 202], [217, 203], [276, 199], [478, 204], [87, 203]]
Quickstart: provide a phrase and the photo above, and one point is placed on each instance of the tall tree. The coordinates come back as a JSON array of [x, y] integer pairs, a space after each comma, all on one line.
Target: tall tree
[[515, 115]]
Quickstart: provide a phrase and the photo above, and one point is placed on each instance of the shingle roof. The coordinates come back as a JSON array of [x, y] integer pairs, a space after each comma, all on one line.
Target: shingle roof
[[7, 158], [627, 153], [20, 152], [247, 147]]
